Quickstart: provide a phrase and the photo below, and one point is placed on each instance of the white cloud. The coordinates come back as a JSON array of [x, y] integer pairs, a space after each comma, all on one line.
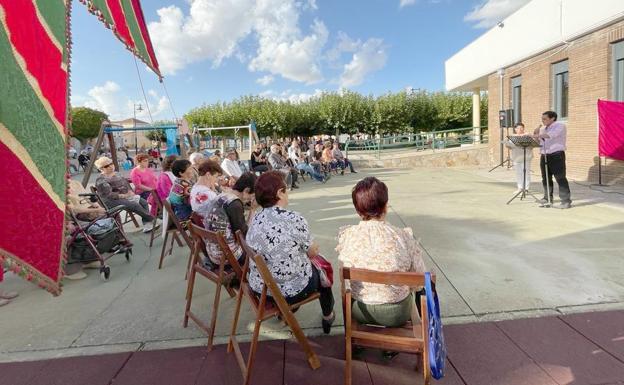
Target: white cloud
[[265, 80], [110, 99], [405, 3], [490, 12], [214, 29], [368, 57], [211, 31], [290, 96]]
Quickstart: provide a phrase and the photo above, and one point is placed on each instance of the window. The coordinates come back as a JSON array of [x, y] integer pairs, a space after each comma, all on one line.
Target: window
[[560, 85], [618, 70], [516, 98]]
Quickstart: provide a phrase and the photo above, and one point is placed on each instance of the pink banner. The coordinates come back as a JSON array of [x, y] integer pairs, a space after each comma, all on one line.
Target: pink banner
[[611, 129]]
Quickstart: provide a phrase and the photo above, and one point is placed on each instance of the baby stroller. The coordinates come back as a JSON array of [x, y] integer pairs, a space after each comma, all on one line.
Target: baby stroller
[[97, 240]]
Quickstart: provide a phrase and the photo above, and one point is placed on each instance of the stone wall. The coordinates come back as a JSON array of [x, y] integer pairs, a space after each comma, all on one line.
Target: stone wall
[[453, 157]]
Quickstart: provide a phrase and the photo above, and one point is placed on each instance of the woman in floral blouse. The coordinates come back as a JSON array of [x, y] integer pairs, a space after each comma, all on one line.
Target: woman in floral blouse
[[374, 244], [283, 239]]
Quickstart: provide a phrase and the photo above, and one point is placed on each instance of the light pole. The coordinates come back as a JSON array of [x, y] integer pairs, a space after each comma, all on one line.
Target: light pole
[[137, 107]]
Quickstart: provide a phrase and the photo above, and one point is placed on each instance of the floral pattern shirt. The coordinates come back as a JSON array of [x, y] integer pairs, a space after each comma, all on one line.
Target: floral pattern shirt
[[379, 246], [282, 238]]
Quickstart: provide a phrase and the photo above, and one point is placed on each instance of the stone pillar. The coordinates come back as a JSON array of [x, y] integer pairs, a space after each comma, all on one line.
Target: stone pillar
[[476, 114]]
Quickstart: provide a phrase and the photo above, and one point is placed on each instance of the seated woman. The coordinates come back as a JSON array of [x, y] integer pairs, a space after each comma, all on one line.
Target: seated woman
[[180, 193], [166, 177], [258, 161], [374, 244], [226, 214], [144, 181], [283, 239], [116, 191], [204, 192]]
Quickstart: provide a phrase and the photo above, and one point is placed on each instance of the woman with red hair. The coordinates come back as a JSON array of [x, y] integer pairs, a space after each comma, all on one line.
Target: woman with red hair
[[375, 244]]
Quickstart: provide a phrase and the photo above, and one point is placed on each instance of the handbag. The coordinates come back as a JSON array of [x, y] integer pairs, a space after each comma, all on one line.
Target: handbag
[[325, 269], [437, 347]]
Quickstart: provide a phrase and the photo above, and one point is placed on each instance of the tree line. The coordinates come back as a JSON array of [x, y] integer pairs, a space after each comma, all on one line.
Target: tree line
[[344, 112], [331, 112]]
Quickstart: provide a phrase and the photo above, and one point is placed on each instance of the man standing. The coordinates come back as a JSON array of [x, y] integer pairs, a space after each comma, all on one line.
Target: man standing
[[552, 135]]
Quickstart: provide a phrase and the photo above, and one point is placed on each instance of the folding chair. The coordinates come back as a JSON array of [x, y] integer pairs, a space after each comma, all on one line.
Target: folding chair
[[173, 229], [220, 277], [413, 337], [159, 210], [264, 309], [129, 214]]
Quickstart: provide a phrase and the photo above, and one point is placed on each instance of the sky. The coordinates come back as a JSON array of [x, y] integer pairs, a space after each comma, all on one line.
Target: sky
[[219, 50]]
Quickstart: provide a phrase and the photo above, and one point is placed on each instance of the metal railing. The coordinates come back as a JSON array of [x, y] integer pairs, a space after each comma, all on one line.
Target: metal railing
[[431, 140]]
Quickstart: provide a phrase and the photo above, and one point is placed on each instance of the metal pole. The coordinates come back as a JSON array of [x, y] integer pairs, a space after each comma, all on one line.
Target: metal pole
[[94, 153], [501, 74]]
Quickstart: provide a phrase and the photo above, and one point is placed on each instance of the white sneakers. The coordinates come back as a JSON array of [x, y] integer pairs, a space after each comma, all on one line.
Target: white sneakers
[[151, 226]]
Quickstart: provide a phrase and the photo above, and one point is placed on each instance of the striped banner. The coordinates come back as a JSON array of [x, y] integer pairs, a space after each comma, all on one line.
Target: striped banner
[[125, 18], [34, 73], [34, 98]]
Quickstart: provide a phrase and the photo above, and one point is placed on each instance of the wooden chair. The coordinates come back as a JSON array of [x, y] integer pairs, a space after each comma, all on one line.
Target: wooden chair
[[159, 210], [413, 337], [174, 228], [265, 309], [220, 277]]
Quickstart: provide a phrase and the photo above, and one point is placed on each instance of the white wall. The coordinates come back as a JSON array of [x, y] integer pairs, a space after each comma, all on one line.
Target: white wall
[[534, 28]]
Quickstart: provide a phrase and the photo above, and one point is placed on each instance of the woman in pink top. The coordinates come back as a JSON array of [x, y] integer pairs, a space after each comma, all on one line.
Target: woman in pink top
[[166, 177], [142, 177]]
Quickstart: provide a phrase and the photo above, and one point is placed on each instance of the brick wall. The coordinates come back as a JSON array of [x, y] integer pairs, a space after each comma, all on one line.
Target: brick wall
[[589, 62]]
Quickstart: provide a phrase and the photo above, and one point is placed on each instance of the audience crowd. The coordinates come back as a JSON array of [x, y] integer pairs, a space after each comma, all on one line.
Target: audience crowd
[[229, 196]]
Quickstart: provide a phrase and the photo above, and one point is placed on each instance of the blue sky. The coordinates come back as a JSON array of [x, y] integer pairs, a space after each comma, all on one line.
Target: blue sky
[[212, 50]]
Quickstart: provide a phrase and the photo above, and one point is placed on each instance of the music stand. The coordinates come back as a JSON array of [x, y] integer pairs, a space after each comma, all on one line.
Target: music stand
[[524, 141]]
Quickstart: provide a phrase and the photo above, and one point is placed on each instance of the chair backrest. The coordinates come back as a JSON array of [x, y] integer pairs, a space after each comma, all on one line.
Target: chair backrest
[[207, 236], [248, 252], [399, 338], [157, 200], [410, 279], [176, 222]]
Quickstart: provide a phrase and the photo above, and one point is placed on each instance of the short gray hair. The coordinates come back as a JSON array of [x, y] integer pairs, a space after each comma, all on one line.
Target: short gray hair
[[196, 157], [274, 148]]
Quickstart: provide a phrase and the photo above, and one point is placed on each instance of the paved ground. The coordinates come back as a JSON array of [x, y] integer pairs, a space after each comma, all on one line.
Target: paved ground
[[577, 349], [493, 262]]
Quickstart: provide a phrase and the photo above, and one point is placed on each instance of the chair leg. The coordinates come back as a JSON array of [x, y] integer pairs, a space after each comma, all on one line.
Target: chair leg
[[188, 264], [189, 296], [171, 245], [178, 239], [213, 320], [162, 253], [239, 300], [292, 322], [133, 218], [348, 358], [253, 346]]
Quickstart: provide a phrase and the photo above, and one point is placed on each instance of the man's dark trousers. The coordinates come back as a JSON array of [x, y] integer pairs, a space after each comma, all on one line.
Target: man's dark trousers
[[556, 168]]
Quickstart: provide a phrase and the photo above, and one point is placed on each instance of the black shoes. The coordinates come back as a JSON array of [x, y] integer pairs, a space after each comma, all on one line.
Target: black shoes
[[327, 323]]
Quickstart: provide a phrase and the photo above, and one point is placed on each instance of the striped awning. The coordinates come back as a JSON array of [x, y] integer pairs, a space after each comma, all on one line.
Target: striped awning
[[125, 19], [34, 99]]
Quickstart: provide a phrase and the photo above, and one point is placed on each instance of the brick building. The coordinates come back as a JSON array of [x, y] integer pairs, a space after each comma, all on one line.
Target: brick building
[[560, 55]]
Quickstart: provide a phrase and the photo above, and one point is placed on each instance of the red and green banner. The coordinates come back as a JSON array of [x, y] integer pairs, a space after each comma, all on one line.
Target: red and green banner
[[34, 104], [125, 19], [34, 73]]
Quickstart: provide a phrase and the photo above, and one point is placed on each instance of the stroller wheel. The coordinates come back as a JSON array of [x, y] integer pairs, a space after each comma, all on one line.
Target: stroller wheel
[[128, 253], [105, 272]]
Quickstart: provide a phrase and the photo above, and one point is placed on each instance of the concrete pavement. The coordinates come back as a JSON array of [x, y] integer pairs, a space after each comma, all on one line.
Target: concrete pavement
[[494, 261]]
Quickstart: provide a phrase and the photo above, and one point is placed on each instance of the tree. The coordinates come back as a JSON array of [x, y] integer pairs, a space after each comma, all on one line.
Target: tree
[[86, 122]]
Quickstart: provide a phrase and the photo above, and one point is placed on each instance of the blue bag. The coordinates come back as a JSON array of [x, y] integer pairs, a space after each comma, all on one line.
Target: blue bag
[[437, 347]]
